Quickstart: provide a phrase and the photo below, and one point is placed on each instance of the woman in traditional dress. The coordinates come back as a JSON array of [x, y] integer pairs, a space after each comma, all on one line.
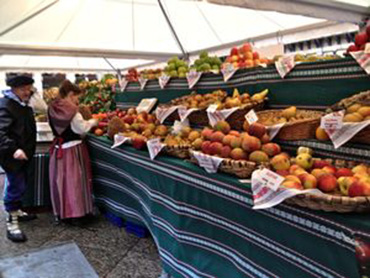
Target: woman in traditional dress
[[69, 167]]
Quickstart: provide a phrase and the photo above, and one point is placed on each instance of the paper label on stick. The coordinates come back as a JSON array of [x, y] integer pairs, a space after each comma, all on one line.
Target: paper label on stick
[[285, 65], [163, 80], [332, 121], [251, 117], [208, 162], [228, 71], [215, 115], [193, 77], [163, 112], [154, 147], [119, 140]]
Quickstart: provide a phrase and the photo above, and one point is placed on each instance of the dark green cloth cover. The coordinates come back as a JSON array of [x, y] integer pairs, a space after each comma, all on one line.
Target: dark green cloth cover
[[317, 84], [204, 225]]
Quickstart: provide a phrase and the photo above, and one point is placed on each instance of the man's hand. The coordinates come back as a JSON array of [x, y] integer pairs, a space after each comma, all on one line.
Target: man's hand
[[20, 155]]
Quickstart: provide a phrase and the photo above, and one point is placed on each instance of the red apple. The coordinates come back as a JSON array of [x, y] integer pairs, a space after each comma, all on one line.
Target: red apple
[[327, 183], [357, 188], [256, 56], [352, 48], [319, 164], [234, 51], [246, 48], [206, 147], [282, 172], [138, 142], [361, 39], [344, 172], [215, 148]]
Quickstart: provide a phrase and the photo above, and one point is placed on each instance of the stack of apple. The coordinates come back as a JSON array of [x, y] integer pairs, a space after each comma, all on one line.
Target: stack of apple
[[132, 75], [104, 118], [253, 145], [244, 57], [360, 41], [151, 74], [206, 63], [195, 100], [307, 173], [176, 68]]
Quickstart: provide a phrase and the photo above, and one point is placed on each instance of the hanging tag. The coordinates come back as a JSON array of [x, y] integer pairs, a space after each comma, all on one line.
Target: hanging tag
[[274, 130], [363, 59], [184, 113], [163, 80], [215, 115], [193, 77], [119, 140], [332, 121], [142, 82], [268, 193], [162, 113], [123, 84], [208, 162], [251, 117], [228, 71], [341, 136], [285, 65], [154, 147]]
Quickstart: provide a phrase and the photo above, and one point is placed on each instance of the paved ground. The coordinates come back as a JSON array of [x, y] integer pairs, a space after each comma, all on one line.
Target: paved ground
[[111, 251]]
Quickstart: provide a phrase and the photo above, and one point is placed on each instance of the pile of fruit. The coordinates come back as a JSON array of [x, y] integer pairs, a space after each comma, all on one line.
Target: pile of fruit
[[185, 137], [151, 74], [195, 100], [357, 113], [206, 63], [50, 94], [361, 39], [132, 75], [176, 68], [305, 172], [245, 57], [252, 145], [315, 58]]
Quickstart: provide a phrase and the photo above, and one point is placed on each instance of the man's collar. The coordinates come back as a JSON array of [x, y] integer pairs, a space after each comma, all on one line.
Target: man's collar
[[10, 95]]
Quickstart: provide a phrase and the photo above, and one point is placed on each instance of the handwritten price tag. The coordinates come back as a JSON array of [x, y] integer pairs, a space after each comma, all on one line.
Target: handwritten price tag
[[251, 117], [163, 80], [119, 140], [142, 82], [184, 112], [154, 147], [332, 121], [193, 77], [228, 71], [163, 113], [285, 65], [208, 162], [270, 179]]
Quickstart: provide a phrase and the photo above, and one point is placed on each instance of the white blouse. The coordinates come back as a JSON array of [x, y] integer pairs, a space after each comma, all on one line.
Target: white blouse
[[81, 126]]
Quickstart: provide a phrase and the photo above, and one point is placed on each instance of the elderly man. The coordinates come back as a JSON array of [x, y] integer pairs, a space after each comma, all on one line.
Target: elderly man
[[17, 146]]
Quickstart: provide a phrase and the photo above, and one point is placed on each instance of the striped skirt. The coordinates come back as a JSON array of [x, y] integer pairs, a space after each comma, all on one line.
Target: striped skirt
[[70, 182]]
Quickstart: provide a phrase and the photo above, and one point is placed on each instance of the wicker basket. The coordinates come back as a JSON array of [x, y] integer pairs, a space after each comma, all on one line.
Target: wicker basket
[[180, 151], [333, 203], [240, 168], [298, 130], [362, 98], [236, 119]]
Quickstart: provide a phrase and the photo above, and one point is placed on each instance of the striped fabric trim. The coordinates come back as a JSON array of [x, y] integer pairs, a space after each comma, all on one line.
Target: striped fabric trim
[[197, 213], [309, 226], [39, 182]]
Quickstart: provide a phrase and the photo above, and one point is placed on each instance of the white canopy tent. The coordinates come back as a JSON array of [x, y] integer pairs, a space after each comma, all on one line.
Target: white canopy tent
[[103, 35]]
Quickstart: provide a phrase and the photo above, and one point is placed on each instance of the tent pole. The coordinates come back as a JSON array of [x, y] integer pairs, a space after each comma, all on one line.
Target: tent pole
[[28, 18], [116, 70], [186, 55]]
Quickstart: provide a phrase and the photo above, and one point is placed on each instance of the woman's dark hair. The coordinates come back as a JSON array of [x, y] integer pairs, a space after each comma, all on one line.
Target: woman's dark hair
[[66, 87]]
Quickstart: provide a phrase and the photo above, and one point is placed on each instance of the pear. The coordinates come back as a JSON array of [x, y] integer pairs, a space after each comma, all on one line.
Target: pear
[[289, 112]]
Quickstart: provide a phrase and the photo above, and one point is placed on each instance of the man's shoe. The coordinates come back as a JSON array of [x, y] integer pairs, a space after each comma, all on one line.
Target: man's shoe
[[13, 232], [24, 216], [16, 236]]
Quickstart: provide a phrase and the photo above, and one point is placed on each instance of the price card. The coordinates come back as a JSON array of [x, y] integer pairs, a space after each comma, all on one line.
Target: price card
[[123, 84], [363, 59], [285, 65], [146, 105], [154, 147], [208, 162], [193, 77], [163, 80], [332, 121], [163, 112], [270, 179], [184, 112], [251, 117], [142, 82], [119, 140], [228, 71], [274, 130]]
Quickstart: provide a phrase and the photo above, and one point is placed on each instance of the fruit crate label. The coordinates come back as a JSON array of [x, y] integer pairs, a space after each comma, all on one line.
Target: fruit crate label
[[123, 84], [208, 162], [228, 71], [163, 113], [142, 82], [193, 77], [154, 147], [285, 65], [163, 80], [119, 139], [266, 196], [184, 112], [341, 136], [215, 115], [332, 121], [251, 117], [146, 105], [274, 130], [363, 59]]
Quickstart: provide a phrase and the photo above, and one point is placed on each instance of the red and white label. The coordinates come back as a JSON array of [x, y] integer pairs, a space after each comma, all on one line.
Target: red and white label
[[251, 117], [119, 139], [163, 80], [270, 179], [215, 115], [332, 121], [341, 136], [163, 113], [154, 147], [285, 65], [193, 78], [228, 71], [363, 59], [208, 162]]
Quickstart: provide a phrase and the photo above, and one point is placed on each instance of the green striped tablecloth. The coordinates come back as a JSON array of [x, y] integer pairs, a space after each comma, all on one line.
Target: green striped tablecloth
[[204, 225], [317, 84]]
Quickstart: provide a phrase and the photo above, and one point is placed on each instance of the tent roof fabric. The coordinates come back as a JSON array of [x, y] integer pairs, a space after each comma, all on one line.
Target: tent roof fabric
[[134, 30]]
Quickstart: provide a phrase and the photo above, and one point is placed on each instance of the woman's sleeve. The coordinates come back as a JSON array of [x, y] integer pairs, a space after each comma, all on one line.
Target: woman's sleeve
[[80, 126]]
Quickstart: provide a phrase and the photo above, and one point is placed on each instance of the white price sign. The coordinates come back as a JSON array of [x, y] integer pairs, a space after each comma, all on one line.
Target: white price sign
[[163, 80], [270, 179], [332, 121], [193, 77], [251, 117], [228, 71], [154, 147], [142, 82], [119, 140]]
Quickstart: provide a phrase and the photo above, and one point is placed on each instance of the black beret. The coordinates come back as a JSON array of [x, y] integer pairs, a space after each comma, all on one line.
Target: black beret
[[19, 80]]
